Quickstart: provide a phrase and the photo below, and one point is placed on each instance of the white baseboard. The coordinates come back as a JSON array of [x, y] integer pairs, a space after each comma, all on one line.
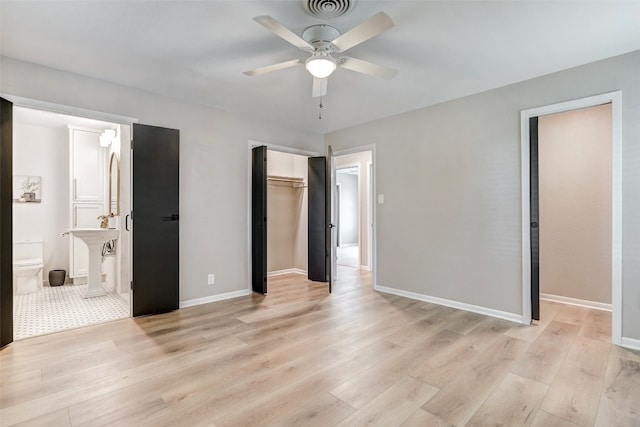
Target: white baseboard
[[454, 304], [630, 343], [286, 271], [575, 301], [365, 268], [214, 298]]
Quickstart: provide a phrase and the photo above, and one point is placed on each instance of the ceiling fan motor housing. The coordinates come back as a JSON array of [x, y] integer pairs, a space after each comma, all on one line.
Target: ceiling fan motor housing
[[328, 9], [320, 36]]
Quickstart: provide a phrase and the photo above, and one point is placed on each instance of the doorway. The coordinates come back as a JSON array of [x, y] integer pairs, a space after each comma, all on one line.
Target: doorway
[[70, 168], [279, 218], [287, 213], [153, 280], [555, 235], [355, 217], [348, 215]]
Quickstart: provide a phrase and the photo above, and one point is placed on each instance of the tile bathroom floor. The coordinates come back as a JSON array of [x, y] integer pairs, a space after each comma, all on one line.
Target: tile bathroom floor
[[59, 308]]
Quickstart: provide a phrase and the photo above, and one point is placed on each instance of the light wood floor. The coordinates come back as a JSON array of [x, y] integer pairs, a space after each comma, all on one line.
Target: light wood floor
[[302, 357]]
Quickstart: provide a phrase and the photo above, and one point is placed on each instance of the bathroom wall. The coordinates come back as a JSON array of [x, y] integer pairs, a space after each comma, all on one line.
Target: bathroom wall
[[43, 151]]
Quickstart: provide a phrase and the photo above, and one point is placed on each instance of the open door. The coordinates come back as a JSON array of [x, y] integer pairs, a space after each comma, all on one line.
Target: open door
[[317, 267], [156, 179], [259, 219], [6, 220], [332, 230], [534, 212], [320, 250]]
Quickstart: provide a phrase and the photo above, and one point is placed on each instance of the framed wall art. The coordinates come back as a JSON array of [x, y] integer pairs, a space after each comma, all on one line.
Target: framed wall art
[[27, 189]]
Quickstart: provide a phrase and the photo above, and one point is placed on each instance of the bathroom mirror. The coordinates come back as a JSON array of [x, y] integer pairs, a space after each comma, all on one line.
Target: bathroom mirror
[[114, 185]]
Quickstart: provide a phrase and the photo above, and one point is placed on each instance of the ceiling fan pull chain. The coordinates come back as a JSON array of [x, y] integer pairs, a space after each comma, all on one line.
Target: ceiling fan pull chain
[[320, 109]]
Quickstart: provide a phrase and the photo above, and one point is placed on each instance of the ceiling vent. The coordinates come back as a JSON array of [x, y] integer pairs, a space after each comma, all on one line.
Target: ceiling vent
[[328, 9]]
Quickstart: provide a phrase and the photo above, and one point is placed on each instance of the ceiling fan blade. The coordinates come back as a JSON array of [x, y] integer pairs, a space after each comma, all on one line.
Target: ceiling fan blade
[[274, 67], [366, 67], [319, 87], [373, 26], [280, 30]]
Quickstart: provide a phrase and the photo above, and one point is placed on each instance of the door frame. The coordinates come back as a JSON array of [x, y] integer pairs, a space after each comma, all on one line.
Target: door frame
[[273, 147], [615, 98], [373, 215], [125, 121]]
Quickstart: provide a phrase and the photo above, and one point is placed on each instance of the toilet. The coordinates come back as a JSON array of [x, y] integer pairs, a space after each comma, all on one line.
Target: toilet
[[28, 267]]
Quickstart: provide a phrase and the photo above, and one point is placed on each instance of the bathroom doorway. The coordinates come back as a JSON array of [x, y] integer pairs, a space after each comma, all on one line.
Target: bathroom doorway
[[69, 172]]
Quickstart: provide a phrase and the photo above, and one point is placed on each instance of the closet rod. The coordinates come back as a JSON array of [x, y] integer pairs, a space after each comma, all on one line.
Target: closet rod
[[285, 179]]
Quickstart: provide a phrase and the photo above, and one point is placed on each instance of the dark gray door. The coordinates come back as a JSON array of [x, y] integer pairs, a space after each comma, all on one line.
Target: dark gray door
[[319, 261], [259, 220], [156, 174], [6, 188], [332, 218], [534, 207]]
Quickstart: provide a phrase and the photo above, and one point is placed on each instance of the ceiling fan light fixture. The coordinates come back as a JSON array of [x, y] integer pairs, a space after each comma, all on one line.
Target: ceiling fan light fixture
[[321, 66]]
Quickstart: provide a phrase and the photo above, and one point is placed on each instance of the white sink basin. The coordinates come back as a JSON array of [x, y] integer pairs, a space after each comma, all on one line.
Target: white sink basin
[[95, 235], [94, 239]]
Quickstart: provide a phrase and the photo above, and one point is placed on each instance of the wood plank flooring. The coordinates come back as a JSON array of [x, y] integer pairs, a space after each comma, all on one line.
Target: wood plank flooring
[[302, 357]]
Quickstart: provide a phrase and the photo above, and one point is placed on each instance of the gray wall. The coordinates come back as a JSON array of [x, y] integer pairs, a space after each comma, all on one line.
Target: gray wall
[[450, 226], [214, 158]]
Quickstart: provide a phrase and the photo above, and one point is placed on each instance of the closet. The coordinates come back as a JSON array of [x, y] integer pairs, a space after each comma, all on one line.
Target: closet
[[287, 213]]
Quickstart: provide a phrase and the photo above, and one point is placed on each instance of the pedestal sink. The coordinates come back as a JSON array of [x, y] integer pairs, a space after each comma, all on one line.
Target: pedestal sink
[[94, 239]]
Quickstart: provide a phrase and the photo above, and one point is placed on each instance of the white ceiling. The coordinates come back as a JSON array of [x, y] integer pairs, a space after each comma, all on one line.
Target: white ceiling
[[197, 50]]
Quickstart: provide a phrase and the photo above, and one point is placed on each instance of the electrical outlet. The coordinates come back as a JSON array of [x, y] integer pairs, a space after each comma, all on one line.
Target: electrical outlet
[[211, 279]]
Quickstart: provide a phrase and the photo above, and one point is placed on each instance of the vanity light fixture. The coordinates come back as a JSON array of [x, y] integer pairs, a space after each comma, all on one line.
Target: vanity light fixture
[[107, 137]]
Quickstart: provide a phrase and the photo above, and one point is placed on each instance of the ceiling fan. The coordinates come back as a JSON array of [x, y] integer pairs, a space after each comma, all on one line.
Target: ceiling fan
[[322, 41]]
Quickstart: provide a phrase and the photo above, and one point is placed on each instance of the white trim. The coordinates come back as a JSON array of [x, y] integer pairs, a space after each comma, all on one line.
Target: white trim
[[272, 147], [287, 271], [615, 98], [630, 343], [282, 148], [214, 298], [512, 317], [373, 238], [370, 207], [52, 107], [365, 268], [575, 301]]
